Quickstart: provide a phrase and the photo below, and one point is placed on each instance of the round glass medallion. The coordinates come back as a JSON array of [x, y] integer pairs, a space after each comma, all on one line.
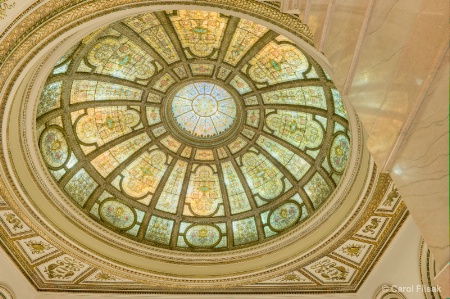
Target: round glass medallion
[[203, 110]]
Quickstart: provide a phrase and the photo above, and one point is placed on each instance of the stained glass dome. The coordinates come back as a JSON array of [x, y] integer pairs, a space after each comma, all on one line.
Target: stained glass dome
[[193, 130]]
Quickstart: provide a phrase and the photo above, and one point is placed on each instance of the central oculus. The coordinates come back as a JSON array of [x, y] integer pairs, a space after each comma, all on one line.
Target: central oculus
[[203, 110]]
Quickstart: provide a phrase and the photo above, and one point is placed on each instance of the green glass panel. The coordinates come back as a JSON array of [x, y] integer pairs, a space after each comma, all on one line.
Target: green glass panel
[[80, 187], [293, 162], [122, 58], [263, 178], [297, 128], [244, 231], [159, 230], [50, 98], [277, 63], [237, 197], [168, 201], [199, 31], [317, 190], [245, 36]]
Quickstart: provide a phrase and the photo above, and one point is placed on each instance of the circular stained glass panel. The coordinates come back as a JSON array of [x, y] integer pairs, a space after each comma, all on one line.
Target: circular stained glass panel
[[203, 109]]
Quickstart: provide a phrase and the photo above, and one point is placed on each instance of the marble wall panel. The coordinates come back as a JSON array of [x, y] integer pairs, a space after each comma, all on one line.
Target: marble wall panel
[[399, 51], [420, 170], [316, 19], [343, 33], [387, 33]]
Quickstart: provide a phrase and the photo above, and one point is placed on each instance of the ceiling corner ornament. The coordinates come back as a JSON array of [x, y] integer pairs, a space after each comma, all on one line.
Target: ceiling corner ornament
[[4, 6], [5, 293]]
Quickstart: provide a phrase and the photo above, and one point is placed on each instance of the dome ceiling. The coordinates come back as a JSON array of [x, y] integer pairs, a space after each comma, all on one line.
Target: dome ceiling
[[193, 130]]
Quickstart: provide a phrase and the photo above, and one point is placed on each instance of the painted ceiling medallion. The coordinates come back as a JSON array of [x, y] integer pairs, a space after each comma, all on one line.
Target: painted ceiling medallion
[[193, 131]]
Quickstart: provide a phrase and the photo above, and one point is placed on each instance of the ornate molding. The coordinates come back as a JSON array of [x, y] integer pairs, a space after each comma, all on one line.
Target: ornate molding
[[342, 268], [427, 273], [5, 293]]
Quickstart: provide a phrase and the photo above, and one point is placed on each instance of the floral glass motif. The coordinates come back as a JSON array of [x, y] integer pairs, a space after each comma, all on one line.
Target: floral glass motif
[[202, 236], [86, 90], [202, 69], [237, 145], [171, 143], [203, 195], [308, 96], [245, 36], [54, 147], [203, 109], [117, 214], [263, 178], [153, 115], [277, 63], [339, 152], [204, 155], [253, 117], [297, 128], [50, 98], [142, 176], [109, 160], [101, 125], [170, 196], [235, 190], [164, 83], [285, 216], [199, 31], [241, 86], [151, 30], [121, 58]]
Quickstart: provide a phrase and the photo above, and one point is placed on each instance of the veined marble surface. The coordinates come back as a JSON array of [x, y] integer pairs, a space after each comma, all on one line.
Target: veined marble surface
[[399, 51], [394, 72], [421, 167]]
